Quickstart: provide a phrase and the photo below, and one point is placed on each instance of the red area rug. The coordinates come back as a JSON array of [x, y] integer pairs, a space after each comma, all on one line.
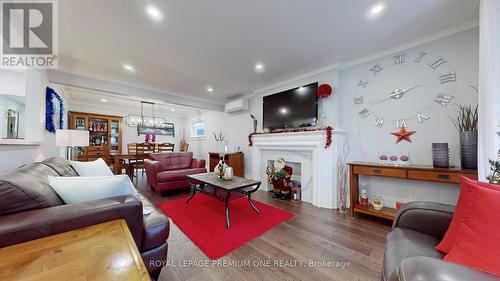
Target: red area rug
[[203, 221]]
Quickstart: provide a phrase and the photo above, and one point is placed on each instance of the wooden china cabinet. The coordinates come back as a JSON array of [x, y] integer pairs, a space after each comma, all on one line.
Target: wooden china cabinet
[[105, 135]]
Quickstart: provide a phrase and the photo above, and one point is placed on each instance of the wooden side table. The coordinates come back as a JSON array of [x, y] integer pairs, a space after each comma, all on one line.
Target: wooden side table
[[104, 251], [234, 160], [423, 173]]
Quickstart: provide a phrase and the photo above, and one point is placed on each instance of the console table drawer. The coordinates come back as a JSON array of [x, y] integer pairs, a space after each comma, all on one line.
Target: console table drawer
[[95, 153], [434, 176], [379, 171]]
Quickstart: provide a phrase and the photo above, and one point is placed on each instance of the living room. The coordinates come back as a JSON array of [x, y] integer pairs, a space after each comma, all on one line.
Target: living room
[[340, 141]]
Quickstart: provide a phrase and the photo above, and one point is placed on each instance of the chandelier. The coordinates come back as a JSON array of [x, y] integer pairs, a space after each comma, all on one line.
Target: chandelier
[[146, 121]]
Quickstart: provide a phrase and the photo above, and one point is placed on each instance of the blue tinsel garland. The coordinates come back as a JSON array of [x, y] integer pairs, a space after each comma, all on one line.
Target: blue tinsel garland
[[49, 110]]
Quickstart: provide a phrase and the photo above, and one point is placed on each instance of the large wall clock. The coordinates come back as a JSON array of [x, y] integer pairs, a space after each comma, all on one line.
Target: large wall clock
[[408, 85]]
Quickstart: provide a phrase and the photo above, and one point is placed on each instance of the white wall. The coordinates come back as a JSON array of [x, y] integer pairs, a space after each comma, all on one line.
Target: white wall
[[237, 126], [129, 134], [365, 140], [35, 83], [489, 85]]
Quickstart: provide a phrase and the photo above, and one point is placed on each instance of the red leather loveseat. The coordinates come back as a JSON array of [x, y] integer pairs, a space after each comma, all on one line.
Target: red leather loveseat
[[168, 171]]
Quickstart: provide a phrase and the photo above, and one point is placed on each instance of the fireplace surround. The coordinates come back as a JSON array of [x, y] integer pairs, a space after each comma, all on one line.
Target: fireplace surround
[[318, 164]]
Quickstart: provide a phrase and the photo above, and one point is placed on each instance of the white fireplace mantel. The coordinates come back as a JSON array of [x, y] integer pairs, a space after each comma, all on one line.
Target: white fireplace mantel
[[318, 164]]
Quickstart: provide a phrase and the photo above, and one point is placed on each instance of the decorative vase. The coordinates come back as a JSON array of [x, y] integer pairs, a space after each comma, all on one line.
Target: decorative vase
[[440, 155], [468, 149], [220, 170], [228, 173]]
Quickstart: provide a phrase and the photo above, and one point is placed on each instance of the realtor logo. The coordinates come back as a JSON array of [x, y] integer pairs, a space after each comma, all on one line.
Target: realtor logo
[[29, 34]]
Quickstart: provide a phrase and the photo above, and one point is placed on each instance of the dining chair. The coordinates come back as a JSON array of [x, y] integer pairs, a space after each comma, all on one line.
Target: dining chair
[[142, 152], [165, 147]]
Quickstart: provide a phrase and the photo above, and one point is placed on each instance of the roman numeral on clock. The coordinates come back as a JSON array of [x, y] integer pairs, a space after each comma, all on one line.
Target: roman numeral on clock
[[376, 69], [420, 56], [400, 123], [422, 118], [443, 100], [437, 63], [364, 113], [379, 122], [399, 59], [358, 100], [448, 77], [362, 83]]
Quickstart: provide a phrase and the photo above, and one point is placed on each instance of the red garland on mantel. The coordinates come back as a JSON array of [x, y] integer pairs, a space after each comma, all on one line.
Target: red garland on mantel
[[328, 130]]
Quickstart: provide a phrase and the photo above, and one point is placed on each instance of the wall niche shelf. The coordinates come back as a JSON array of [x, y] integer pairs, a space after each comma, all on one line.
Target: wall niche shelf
[[19, 142]]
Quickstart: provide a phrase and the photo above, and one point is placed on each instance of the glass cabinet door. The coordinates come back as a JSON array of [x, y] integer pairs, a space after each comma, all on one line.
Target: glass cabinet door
[[114, 136], [80, 123]]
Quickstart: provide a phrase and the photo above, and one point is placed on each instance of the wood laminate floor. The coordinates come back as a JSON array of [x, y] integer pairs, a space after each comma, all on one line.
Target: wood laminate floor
[[341, 248]]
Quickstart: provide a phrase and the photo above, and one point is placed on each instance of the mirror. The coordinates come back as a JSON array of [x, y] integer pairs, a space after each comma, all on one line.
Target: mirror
[[12, 113]]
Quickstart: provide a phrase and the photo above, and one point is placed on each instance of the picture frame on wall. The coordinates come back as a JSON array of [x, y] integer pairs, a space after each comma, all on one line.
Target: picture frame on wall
[[168, 129]]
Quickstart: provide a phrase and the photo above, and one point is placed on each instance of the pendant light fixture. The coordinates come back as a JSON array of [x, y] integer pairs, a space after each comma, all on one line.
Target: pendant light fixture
[[146, 121]]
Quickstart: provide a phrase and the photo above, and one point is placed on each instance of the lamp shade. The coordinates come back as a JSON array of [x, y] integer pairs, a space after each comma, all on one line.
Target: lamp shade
[[72, 138]]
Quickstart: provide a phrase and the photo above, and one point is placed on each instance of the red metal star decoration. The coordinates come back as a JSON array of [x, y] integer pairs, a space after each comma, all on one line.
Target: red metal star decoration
[[403, 134]]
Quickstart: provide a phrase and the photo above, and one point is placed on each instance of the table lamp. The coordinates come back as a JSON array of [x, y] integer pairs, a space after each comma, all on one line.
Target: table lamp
[[72, 139]]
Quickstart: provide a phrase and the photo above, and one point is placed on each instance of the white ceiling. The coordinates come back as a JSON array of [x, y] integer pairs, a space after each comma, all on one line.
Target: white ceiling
[[121, 103], [217, 42]]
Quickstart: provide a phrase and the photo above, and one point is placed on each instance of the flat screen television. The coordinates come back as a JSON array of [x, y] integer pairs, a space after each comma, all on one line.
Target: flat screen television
[[293, 108]]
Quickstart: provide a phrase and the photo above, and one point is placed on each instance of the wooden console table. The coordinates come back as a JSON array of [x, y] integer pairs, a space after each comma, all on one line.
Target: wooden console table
[[103, 251], [423, 173]]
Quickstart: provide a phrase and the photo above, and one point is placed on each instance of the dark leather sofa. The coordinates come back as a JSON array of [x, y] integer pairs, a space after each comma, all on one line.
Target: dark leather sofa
[[168, 171], [410, 253], [30, 209]]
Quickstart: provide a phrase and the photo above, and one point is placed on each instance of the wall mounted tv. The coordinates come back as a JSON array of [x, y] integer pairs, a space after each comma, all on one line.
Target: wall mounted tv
[[293, 108]]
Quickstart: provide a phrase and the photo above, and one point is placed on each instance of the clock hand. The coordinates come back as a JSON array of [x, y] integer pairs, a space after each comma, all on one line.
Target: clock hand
[[379, 101], [396, 94]]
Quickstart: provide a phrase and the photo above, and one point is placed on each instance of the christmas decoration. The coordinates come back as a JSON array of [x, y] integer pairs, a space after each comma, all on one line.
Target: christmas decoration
[[494, 176], [279, 174], [324, 91], [328, 129], [403, 134], [50, 125]]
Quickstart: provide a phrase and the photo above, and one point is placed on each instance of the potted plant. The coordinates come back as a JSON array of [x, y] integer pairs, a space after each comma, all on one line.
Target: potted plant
[[494, 176], [466, 124]]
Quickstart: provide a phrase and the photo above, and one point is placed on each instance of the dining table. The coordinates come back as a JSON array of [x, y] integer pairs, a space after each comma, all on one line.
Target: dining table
[[119, 159]]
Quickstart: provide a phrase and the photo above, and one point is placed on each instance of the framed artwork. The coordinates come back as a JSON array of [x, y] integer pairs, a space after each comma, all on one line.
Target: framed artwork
[[168, 129]]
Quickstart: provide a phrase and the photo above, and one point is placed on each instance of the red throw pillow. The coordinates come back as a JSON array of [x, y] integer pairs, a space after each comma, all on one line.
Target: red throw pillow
[[450, 236], [477, 241]]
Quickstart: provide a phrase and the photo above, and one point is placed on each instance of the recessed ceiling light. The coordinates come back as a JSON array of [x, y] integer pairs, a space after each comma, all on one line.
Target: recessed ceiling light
[[154, 13], [283, 110], [377, 9], [104, 100], [173, 110], [259, 67], [128, 67], [210, 89]]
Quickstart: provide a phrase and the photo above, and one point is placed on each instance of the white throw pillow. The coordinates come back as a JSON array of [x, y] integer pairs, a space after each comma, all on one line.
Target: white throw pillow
[[83, 189], [97, 168]]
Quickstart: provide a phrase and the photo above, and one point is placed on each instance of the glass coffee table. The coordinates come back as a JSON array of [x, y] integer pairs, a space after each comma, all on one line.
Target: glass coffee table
[[222, 190]]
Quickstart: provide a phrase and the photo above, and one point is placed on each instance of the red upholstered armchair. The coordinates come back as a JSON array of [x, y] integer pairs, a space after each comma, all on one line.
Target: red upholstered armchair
[[168, 171]]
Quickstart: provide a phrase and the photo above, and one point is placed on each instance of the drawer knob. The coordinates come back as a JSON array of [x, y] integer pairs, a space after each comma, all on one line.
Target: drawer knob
[[444, 176], [377, 171]]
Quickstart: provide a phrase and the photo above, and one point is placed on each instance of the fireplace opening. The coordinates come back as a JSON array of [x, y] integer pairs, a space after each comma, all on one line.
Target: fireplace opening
[[287, 189]]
